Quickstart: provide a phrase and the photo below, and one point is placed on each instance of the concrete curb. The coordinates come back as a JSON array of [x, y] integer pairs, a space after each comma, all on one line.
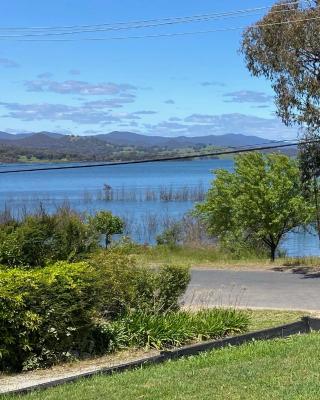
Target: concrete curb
[[305, 325]]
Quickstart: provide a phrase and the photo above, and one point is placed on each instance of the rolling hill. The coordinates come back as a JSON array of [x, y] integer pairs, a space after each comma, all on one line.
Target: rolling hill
[[134, 139], [111, 146]]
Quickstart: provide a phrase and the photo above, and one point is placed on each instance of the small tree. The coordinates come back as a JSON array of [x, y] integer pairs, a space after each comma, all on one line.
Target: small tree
[[108, 225], [261, 199]]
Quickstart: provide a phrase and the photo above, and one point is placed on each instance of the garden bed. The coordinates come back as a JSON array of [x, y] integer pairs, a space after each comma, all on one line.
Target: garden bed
[[64, 372]]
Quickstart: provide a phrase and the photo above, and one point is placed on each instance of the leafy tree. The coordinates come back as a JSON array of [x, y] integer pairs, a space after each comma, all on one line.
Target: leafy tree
[[108, 225], [309, 163], [284, 47], [262, 199]]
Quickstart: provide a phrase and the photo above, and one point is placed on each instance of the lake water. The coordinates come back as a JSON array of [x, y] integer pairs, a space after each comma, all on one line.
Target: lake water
[[83, 188]]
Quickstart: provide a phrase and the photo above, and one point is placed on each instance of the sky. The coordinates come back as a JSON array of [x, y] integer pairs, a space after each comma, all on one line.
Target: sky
[[189, 85]]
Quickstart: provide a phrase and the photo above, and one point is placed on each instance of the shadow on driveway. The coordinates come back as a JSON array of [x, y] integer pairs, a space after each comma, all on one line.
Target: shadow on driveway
[[307, 272]]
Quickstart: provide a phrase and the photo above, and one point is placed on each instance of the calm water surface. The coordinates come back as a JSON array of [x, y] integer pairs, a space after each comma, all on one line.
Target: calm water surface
[[83, 188]]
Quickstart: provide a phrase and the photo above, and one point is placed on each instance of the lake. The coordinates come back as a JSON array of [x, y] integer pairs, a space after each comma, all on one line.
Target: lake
[[136, 189]]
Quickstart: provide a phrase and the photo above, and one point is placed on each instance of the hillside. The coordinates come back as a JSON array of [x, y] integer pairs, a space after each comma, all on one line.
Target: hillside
[[134, 139], [111, 146]]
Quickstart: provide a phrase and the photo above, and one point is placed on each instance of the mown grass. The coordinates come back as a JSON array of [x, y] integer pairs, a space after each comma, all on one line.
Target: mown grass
[[263, 319], [286, 369]]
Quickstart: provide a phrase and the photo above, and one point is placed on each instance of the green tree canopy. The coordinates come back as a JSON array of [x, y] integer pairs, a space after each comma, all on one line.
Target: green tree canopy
[[284, 47], [261, 199], [107, 224]]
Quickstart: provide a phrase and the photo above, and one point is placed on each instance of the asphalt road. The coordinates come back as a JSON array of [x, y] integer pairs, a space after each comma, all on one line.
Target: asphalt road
[[253, 289]]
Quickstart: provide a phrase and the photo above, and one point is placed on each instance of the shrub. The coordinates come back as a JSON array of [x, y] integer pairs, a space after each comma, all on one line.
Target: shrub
[[171, 283], [53, 313], [128, 286], [26, 244], [46, 314], [125, 245], [42, 238], [67, 310], [171, 236], [72, 236]]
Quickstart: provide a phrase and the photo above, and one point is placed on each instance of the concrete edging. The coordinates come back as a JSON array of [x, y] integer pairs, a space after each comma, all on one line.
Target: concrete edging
[[305, 325]]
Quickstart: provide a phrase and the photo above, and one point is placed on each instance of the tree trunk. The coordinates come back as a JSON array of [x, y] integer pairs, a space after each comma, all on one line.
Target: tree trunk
[[108, 240], [273, 248]]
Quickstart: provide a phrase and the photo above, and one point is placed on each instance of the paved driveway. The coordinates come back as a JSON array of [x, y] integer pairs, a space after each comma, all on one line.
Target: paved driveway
[[256, 289]]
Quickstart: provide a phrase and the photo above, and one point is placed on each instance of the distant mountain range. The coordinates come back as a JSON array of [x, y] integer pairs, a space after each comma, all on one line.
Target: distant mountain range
[[41, 139], [111, 146]]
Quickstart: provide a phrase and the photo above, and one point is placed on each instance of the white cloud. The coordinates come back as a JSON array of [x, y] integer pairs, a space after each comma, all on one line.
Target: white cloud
[[78, 87], [247, 96], [209, 124]]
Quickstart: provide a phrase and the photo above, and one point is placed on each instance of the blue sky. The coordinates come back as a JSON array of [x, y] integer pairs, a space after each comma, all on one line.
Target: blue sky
[[184, 85]]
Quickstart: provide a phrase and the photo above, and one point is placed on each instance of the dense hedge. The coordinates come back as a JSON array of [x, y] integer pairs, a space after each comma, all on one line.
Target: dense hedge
[[46, 314], [127, 286], [60, 311], [41, 238]]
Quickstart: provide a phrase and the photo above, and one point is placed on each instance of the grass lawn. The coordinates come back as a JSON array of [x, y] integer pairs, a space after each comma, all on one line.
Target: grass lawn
[[212, 257], [192, 256], [263, 319], [277, 369]]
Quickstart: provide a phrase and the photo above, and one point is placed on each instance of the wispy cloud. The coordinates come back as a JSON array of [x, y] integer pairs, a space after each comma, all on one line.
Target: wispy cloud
[[213, 83], [116, 102], [45, 75], [247, 96], [101, 113], [145, 112], [210, 124], [78, 87], [83, 114], [7, 63], [74, 72], [170, 101]]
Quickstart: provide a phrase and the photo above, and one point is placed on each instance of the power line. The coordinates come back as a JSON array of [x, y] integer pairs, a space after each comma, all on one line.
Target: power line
[[144, 26], [140, 23], [161, 159], [164, 34]]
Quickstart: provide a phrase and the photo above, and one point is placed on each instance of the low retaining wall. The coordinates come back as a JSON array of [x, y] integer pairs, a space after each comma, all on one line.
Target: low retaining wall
[[305, 325]]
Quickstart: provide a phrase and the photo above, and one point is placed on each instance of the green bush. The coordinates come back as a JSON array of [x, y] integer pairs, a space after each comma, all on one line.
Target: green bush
[[65, 311], [46, 314], [42, 238], [170, 284], [72, 236], [125, 245], [171, 236], [54, 313], [128, 286]]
